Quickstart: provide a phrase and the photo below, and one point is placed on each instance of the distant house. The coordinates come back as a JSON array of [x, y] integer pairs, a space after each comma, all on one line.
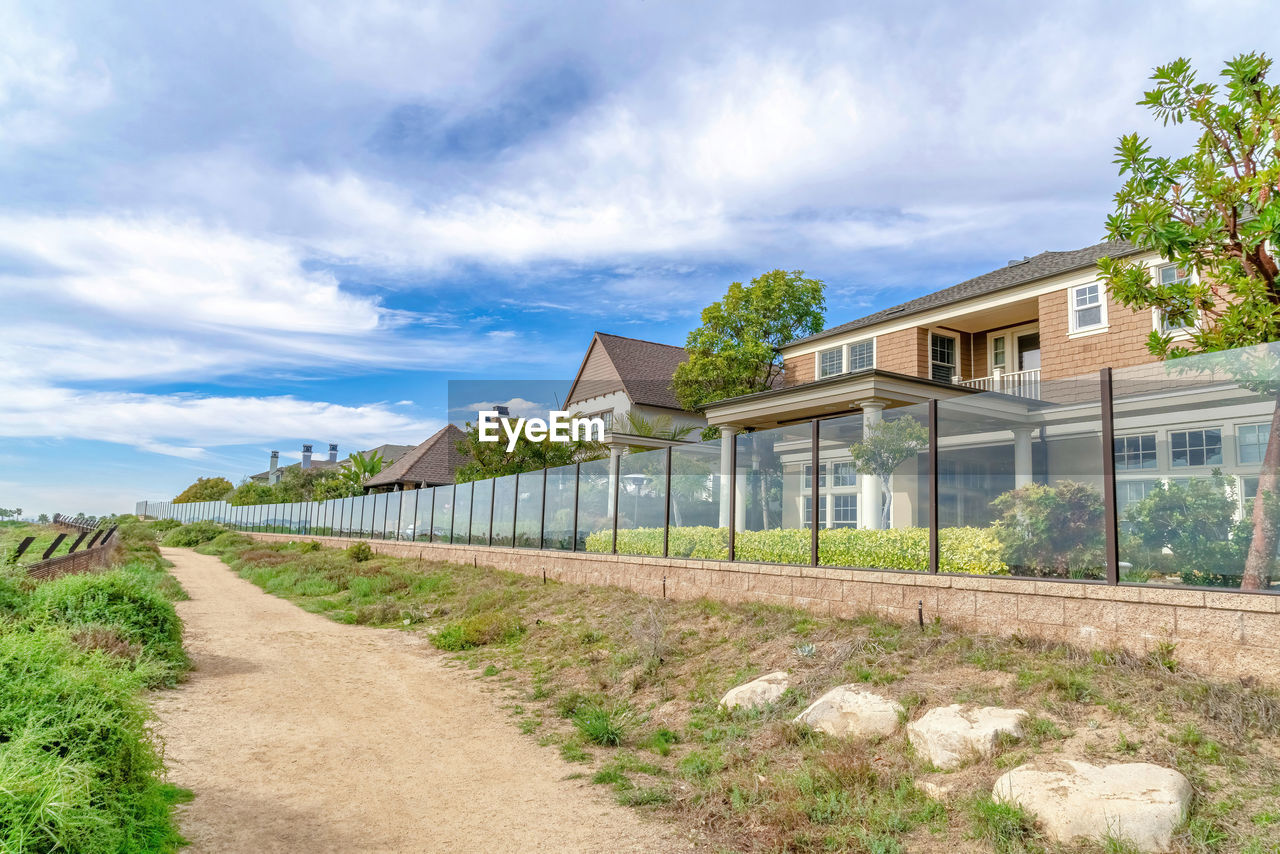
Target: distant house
[[433, 463], [390, 455], [626, 376]]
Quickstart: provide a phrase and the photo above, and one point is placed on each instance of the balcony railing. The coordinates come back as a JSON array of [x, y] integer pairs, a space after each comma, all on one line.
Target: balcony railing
[[1018, 383]]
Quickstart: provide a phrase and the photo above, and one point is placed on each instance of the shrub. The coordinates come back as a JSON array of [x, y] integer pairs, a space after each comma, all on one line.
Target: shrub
[[360, 552], [14, 586], [160, 526], [194, 534], [225, 543], [1051, 529], [119, 601], [1194, 522], [478, 630]]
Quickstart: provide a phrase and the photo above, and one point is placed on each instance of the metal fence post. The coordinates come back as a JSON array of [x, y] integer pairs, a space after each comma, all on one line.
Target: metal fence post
[[732, 486], [577, 482], [616, 474], [515, 511], [813, 494], [493, 499], [542, 514], [666, 510], [453, 512], [1109, 478], [935, 553]]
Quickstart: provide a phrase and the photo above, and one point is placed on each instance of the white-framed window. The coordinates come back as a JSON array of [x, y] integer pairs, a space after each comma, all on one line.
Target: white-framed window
[[607, 418], [1135, 452], [1087, 309], [862, 355], [808, 476], [844, 511], [999, 356], [843, 474], [831, 362], [1196, 447], [1171, 274], [808, 508], [1251, 442], [1131, 491], [942, 357]]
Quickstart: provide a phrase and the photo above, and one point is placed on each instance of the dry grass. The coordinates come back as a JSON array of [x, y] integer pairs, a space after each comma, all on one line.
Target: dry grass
[[755, 781]]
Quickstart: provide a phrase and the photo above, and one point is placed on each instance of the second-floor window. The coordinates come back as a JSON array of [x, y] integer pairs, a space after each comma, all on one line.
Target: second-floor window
[[1086, 307], [831, 362], [843, 474], [1171, 274], [942, 357], [862, 355], [607, 418], [1251, 442], [998, 358], [1196, 447], [808, 476], [1135, 452]]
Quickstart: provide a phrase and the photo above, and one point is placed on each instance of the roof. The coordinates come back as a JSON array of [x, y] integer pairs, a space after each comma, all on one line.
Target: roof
[[1015, 273], [644, 369], [434, 461], [390, 453]]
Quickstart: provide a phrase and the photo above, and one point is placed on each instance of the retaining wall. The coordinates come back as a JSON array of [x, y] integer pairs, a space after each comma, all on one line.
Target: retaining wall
[[1224, 633], [87, 560]]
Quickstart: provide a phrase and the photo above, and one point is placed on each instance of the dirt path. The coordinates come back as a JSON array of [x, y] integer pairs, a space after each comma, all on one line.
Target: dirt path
[[299, 734]]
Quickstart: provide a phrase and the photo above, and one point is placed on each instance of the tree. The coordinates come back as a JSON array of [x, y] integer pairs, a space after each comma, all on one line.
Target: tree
[[6, 513], [492, 459], [885, 446], [43, 519], [1215, 214], [360, 468], [205, 489], [252, 492], [735, 350]]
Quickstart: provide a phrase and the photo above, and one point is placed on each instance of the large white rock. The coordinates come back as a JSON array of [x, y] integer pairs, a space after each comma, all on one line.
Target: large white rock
[[850, 711], [758, 692], [949, 735], [1136, 801]]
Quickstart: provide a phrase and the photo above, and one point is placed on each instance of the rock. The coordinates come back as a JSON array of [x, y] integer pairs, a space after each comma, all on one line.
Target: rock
[[937, 791], [758, 692], [1136, 801], [948, 735], [850, 711]]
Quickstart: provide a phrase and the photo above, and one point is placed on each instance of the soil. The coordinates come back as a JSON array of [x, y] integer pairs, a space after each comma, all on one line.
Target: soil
[[297, 733]]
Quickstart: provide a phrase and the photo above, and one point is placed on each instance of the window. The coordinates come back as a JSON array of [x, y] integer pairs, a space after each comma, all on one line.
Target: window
[[1135, 452], [862, 355], [1086, 307], [1131, 491], [1171, 274], [607, 418], [843, 474], [844, 511], [808, 476], [942, 354], [997, 352], [831, 362], [808, 508], [1251, 442], [1196, 447]]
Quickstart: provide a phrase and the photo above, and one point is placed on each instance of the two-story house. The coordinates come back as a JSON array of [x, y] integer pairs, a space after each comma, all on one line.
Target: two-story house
[[1024, 331]]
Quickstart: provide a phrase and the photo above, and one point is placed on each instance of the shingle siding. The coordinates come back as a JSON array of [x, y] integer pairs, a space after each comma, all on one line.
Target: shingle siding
[[1123, 344]]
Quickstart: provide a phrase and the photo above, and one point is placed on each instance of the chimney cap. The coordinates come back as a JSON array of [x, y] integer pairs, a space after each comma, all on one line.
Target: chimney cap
[[306, 449]]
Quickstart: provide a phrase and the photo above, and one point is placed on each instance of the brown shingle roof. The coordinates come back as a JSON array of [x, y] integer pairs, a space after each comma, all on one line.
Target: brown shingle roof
[[432, 462], [644, 367], [1016, 273]]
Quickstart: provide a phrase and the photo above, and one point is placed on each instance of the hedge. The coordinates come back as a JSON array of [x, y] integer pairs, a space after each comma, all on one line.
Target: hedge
[[973, 551]]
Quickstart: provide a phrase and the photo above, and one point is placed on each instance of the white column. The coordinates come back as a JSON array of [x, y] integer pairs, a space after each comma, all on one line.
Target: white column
[[1022, 472], [870, 496], [615, 457], [728, 435]]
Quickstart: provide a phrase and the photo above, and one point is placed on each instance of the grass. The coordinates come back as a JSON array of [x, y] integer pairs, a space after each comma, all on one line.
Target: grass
[[80, 770], [627, 687], [13, 533]]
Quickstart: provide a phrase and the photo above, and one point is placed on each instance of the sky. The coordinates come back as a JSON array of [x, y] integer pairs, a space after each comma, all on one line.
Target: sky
[[228, 228]]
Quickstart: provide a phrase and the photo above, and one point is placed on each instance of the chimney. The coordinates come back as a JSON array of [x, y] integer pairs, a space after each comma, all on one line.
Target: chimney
[[503, 412], [306, 456], [333, 452], [275, 461]]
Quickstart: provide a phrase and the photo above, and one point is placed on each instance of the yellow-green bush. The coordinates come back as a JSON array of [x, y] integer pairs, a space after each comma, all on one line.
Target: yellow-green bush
[[974, 551]]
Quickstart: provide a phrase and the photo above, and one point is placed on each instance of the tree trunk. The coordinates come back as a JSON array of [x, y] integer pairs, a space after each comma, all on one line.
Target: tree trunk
[[1262, 550], [886, 499]]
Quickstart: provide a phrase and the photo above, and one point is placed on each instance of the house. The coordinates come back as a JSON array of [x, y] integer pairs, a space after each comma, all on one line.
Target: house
[[390, 454], [432, 463], [1037, 332]]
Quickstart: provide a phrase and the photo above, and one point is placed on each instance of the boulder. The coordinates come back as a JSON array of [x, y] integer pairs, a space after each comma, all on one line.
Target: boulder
[[948, 735], [1135, 801], [758, 692], [850, 711]]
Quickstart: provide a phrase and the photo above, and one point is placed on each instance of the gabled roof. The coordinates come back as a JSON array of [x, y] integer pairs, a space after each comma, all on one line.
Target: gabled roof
[[1016, 273], [643, 368], [434, 461]]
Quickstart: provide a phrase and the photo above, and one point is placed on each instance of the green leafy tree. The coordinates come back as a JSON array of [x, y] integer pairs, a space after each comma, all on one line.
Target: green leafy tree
[[360, 468], [205, 489], [252, 492], [885, 446], [492, 459], [6, 513], [735, 350], [1195, 522], [1215, 213], [1055, 528], [43, 519]]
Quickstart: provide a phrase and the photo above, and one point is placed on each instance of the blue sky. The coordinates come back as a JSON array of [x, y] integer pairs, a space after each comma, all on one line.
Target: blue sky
[[232, 227]]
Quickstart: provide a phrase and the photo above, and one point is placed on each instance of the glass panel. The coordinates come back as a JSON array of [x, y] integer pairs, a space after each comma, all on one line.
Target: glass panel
[[1034, 466], [462, 514], [442, 515], [642, 502], [699, 522], [595, 507], [481, 508], [364, 507], [770, 498], [529, 509], [1188, 501], [504, 510], [558, 515], [381, 511]]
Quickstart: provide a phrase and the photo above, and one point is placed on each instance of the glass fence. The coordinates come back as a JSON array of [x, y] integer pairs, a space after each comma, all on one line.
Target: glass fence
[[1157, 474]]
